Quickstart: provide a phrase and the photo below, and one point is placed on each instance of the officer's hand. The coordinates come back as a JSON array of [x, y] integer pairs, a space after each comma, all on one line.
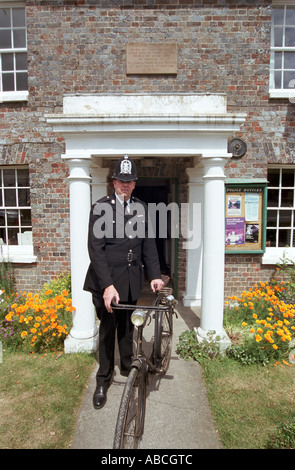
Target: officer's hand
[[157, 284], [109, 294]]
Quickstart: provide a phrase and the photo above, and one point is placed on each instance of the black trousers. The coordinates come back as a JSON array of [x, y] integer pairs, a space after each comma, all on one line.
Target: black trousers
[[110, 323]]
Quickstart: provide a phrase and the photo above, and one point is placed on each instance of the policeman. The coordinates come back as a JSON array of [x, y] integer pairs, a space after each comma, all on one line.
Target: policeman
[[118, 255]]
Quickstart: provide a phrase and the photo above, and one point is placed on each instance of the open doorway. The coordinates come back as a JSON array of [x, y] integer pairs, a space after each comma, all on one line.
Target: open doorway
[[156, 190]]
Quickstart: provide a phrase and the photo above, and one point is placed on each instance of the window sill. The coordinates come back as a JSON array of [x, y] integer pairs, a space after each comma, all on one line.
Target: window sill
[[285, 94], [278, 255], [17, 254], [12, 96]]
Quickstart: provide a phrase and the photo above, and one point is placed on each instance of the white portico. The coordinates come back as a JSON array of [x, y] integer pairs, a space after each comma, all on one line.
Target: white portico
[[179, 125]]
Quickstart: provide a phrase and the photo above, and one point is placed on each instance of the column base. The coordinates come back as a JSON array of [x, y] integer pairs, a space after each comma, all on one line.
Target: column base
[[221, 338], [78, 345], [191, 301]]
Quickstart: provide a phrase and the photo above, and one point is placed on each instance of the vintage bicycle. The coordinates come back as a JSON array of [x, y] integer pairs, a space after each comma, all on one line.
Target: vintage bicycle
[[131, 414]]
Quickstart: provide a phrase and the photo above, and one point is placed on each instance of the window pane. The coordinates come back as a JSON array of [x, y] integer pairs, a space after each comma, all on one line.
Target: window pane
[[289, 79], [288, 178], [21, 61], [8, 82], [23, 197], [287, 198], [2, 218], [278, 15], [271, 238], [285, 218], [22, 81], [2, 236], [273, 198], [25, 217], [290, 15], [7, 62], [278, 60], [5, 39], [289, 37], [284, 238], [1, 203], [289, 60], [273, 177], [19, 38], [18, 17], [12, 236], [12, 217], [4, 17], [278, 80], [278, 37], [9, 178], [23, 178], [271, 218], [10, 197]]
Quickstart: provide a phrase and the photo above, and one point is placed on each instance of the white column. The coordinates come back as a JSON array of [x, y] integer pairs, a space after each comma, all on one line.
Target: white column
[[83, 336], [98, 184], [193, 295], [213, 252]]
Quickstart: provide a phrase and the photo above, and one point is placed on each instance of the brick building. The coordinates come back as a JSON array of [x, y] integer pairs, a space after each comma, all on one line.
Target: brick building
[[69, 107]]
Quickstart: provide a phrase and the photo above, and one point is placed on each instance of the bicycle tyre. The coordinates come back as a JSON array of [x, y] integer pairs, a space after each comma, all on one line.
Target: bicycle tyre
[[163, 340], [130, 420]]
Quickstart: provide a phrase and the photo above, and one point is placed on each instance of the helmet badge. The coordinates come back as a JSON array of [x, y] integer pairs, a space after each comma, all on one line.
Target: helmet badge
[[126, 166]]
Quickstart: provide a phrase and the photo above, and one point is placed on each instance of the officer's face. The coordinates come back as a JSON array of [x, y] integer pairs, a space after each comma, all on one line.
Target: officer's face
[[124, 188]]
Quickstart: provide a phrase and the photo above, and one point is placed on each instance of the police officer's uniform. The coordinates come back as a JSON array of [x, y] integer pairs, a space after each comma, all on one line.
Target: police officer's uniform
[[118, 258]]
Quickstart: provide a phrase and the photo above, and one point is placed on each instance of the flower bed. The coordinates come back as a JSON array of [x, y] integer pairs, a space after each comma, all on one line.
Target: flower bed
[[37, 322]]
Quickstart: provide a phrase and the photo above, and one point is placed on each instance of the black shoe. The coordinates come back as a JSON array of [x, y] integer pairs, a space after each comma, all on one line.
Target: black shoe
[[99, 397]]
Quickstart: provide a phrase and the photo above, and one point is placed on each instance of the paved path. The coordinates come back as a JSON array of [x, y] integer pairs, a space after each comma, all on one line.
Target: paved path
[[177, 410]]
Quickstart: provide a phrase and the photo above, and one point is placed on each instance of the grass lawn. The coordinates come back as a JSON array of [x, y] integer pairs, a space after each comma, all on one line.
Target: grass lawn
[[40, 397], [248, 402]]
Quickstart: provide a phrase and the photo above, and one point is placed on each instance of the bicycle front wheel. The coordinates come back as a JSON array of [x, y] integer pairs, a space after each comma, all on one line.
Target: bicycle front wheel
[[130, 421], [163, 340]]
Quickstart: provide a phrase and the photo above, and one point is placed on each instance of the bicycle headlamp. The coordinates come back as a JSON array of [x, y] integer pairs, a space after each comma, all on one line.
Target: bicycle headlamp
[[138, 317], [172, 301]]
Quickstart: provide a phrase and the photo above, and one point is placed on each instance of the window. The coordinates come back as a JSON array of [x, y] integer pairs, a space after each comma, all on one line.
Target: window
[[282, 65], [280, 231], [13, 54], [15, 215], [15, 210]]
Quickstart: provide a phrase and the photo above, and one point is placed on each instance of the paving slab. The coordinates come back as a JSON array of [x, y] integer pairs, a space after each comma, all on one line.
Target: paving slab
[[178, 415]]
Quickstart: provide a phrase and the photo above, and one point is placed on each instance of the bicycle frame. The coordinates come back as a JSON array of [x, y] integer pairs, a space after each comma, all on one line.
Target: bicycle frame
[[140, 354]]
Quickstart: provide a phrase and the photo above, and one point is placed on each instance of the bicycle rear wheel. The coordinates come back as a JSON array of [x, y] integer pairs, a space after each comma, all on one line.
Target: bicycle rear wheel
[[163, 340], [130, 420]]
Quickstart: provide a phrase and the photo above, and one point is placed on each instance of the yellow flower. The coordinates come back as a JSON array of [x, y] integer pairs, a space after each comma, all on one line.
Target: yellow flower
[[258, 338], [275, 346], [33, 330], [244, 323], [23, 334]]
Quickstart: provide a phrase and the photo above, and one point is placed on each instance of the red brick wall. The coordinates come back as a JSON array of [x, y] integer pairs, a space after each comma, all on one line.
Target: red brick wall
[[79, 47]]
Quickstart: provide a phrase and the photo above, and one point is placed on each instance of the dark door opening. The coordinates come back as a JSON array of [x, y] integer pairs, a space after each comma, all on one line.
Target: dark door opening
[[156, 190]]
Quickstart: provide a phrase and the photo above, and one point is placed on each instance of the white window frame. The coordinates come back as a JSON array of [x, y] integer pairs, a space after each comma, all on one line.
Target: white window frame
[[22, 253], [13, 96], [275, 255], [280, 92]]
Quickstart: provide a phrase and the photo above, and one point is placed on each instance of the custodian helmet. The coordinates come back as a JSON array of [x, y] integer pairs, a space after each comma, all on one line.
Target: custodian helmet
[[125, 170]]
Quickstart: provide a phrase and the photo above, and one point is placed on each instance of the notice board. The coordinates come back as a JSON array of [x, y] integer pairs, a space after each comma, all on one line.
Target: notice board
[[245, 217]]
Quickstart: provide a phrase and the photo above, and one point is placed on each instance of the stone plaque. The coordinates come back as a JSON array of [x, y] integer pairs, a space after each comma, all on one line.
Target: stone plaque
[[151, 58]]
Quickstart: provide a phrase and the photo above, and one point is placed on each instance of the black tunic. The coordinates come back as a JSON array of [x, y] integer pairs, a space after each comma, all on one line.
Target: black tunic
[[120, 248]]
